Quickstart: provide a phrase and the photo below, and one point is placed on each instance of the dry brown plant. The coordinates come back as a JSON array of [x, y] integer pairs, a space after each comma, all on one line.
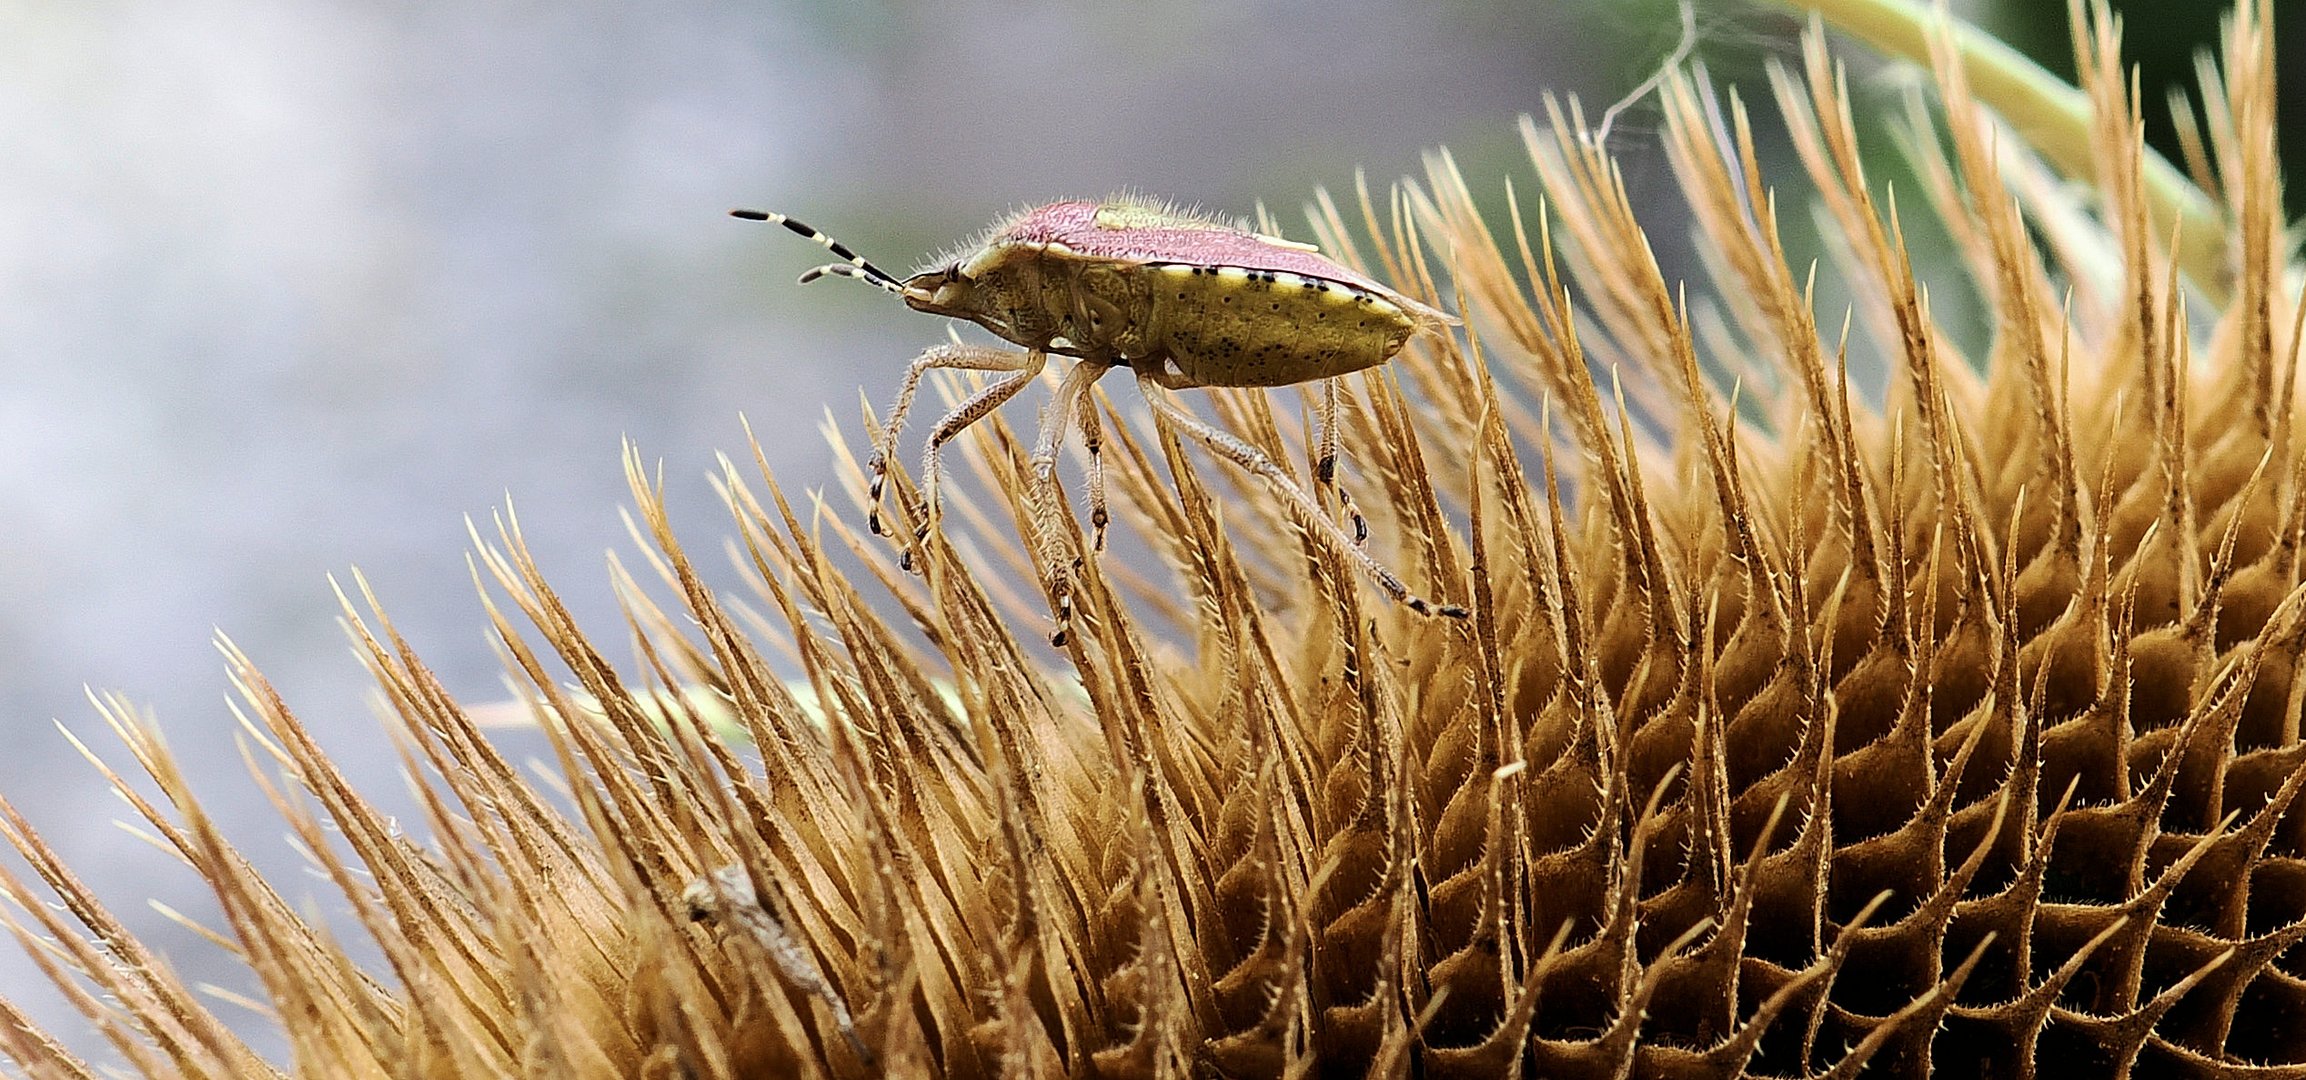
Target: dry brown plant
[[1797, 732]]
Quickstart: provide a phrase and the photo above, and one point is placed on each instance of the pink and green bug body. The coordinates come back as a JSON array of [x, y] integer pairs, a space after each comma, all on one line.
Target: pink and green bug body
[[1189, 301], [1181, 300]]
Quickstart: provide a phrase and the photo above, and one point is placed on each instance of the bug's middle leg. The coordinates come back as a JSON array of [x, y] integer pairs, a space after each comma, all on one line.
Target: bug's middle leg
[[1093, 440], [1325, 458], [1066, 406], [951, 355]]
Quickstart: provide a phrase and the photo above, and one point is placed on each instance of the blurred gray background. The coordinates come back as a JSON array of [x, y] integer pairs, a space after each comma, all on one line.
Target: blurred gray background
[[289, 288]]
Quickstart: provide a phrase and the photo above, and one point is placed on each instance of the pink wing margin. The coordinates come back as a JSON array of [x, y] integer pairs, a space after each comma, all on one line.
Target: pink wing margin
[[1074, 224]]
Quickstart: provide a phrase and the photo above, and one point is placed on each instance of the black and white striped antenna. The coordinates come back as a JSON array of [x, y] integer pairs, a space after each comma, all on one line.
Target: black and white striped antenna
[[856, 266]]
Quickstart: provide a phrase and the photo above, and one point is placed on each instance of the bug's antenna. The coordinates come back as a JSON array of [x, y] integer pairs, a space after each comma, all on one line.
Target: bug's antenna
[[857, 265]]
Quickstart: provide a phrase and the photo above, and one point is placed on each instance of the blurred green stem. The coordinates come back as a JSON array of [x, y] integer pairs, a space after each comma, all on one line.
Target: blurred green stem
[[2053, 118]]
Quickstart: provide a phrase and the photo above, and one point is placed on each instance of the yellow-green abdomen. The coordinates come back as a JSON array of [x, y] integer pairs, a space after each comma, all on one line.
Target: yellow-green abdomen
[[1227, 326]]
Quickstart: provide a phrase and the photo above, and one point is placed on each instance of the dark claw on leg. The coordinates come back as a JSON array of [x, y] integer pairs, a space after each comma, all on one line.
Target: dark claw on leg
[[880, 473], [920, 536], [1419, 605], [1327, 470]]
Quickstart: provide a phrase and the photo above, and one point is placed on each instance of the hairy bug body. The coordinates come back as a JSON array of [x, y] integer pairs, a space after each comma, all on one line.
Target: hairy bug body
[[1180, 300], [1194, 302]]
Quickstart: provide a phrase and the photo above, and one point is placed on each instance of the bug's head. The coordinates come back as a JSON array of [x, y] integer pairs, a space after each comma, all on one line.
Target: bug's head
[[948, 292]]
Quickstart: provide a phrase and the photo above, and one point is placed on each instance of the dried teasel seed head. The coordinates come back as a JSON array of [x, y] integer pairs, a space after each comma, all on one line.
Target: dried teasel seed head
[[1792, 732]]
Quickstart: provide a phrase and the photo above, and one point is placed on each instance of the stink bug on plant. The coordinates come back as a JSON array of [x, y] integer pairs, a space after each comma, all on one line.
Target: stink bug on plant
[[1182, 301]]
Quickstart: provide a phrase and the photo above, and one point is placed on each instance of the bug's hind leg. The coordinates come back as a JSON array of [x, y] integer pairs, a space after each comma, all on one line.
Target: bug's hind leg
[[952, 355], [1025, 367], [1325, 528], [1072, 404], [1325, 459]]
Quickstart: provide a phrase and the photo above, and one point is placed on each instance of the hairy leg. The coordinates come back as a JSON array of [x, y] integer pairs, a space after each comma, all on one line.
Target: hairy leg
[[951, 356], [1093, 440], [977, 407], [1325, 458], [1325, 529], [1048, 510]]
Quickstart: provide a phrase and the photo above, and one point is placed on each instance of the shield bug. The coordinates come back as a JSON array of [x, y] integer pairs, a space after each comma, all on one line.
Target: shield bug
[[1180, 300]]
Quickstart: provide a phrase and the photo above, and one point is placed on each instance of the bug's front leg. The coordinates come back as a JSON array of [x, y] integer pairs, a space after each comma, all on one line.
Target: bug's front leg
[[1027, 367], [951, 355]]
